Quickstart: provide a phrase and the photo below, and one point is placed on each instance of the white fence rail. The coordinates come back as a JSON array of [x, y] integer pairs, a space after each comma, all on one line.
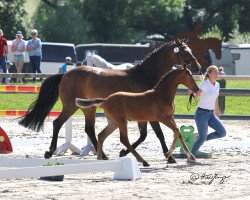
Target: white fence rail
[[125, 168]]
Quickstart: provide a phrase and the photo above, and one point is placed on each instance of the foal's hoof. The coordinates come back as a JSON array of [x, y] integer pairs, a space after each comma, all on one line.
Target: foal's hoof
[[145, 164], [192, 157], [171, 160], [190, 160], [48, 154]]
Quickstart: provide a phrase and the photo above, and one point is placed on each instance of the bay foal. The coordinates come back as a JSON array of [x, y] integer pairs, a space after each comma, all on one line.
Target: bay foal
[[156, 104]]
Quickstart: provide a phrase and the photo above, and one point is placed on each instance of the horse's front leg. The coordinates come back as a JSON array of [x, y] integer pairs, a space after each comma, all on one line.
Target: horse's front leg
[[158, 131], [169, 121], [143, 134], [57, 124]]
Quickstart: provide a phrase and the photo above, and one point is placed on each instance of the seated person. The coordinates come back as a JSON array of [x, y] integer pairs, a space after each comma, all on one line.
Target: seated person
[[66, 66], [8, 65]]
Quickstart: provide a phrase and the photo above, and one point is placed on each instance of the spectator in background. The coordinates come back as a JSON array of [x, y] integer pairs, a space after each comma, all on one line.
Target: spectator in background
[[222, 82], [8, 66], [66, 66], [3, 53], [18, 49], [34, 49]]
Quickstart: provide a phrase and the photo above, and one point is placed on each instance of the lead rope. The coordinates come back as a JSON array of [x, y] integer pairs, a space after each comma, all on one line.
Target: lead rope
[[190, 103]]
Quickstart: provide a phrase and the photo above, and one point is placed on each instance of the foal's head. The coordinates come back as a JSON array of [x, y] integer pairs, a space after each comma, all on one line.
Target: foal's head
[[186, 78], [183, 55]]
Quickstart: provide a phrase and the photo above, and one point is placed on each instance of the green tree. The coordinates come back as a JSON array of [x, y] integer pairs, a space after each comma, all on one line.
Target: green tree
[[129, 21], [223, 13], [60, 21], [123, 21], [214, 32], [12, 13], [239, 38]]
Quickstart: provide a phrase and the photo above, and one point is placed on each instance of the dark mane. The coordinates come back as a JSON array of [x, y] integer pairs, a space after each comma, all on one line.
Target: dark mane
[[154, 52], [170, 73]]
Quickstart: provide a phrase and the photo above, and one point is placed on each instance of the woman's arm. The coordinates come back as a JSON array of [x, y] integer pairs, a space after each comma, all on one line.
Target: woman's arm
[[13, 46], [23, 47], [217, 110]]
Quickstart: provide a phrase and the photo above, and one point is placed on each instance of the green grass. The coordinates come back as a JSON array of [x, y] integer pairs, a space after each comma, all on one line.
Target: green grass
[[234, 105]]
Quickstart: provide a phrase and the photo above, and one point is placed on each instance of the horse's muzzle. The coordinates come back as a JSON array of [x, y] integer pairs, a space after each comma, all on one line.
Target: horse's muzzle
[[195, 89]]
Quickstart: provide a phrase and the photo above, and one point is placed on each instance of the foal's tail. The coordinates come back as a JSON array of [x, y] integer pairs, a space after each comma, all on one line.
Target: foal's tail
[[40, 108], [85, 103]]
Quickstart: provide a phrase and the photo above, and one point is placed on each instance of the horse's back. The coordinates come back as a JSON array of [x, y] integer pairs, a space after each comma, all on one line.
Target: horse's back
[[92, 82], [132, 106]]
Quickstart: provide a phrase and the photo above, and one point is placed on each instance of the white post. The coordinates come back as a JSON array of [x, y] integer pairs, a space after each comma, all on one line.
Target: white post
[[88, 148], [68, 137]]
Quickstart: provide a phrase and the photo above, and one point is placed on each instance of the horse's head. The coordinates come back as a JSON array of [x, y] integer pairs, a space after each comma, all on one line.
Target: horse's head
[[186, 78], [88, 59], [216, 46], [183, 54]]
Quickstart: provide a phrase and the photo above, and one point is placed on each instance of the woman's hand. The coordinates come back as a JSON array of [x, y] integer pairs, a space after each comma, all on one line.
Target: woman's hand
[[196, 94]]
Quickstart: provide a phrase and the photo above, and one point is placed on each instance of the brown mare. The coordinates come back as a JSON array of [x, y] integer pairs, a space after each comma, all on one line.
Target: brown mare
[[156, 104], [200, 47], [88, 83]]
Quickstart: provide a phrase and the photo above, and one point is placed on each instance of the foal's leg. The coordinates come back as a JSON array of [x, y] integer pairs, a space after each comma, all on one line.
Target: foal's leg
[[110, 128], [125, 141], [158, 131], [177, 135], [57, 124], [143, 134]]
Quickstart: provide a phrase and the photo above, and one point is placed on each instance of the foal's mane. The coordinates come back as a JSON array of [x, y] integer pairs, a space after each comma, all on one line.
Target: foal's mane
[[169, 74]]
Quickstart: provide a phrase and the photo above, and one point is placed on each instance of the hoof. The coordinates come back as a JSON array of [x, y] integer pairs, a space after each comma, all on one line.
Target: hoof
[[104, 157], [192, 157], [167, 156], [122, 153], [48, 154], [190, 160], [145, 164], [171, 160]]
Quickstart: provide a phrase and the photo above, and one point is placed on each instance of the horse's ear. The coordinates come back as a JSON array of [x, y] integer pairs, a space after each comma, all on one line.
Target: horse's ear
[[177, 41]]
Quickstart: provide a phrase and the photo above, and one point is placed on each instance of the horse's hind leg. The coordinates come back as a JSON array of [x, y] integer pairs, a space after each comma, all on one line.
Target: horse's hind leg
[[57, 124], [158, 131], [125, 141], [143, 134], [110, 128]]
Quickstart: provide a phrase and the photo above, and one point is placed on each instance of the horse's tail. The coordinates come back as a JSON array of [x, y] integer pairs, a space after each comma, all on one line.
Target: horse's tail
[[40, 108], [85, 103]]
